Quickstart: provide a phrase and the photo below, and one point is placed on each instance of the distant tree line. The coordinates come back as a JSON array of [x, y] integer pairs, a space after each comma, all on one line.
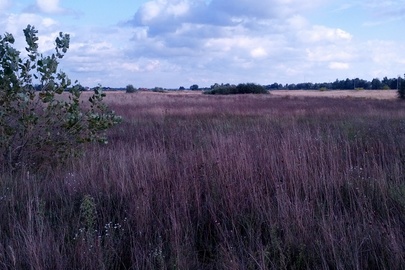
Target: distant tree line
[[242, 88], [348, 84], [226, 88]]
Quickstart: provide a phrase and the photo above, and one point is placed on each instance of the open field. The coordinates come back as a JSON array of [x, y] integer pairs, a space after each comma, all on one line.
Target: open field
[[193, 181]]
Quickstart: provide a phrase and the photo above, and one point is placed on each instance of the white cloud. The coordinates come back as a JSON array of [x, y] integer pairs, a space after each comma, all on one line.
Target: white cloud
[[49, 6], [164, 16], [150, 11], [385, 57], [97, 48], [178, 9], [15, 23], [239, 35], [133, 67], [322, 33], [239, 40], [258, 52], [153, 12], [152, 65], [297, 22], [338, 65], [329, 53]]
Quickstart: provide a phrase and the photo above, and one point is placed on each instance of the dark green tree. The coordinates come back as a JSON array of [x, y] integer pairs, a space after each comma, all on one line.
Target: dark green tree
[[376, 84], [401, 88], [130, 89], [250, 88]]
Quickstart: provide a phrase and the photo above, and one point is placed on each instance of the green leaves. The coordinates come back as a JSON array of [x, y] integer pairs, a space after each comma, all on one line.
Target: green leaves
[[62, 44], [9, 38], [40, 128], [31, 39]]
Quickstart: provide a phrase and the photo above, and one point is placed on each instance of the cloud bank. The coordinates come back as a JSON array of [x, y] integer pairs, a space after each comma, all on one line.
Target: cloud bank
[[183, 42]]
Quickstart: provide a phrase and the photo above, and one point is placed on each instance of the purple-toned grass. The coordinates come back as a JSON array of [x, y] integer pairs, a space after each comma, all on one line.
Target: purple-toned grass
[[207, 182]]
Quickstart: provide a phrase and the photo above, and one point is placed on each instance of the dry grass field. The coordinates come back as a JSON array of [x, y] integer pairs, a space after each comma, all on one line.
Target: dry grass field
[[193, 181]]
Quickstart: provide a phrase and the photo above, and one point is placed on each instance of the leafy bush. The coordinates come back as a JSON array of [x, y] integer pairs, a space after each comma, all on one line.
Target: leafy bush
[[130, 89], [158, 90], [250, 88], [226, 89], [39, 127], [401, 88], [243, 88]]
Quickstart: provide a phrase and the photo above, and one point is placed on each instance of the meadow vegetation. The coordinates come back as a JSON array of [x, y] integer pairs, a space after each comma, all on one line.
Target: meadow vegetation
[[219, 182]]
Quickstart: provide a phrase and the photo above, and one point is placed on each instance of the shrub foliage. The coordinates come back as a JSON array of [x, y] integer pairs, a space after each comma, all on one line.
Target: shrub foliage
[[38, 121], [130, 89], [243, 88], [401, 88]]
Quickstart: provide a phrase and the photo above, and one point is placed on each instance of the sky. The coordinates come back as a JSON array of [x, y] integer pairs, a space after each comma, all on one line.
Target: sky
[[173, 43]]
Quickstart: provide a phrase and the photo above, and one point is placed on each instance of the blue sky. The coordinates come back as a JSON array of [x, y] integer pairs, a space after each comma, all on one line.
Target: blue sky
[[173, 43]]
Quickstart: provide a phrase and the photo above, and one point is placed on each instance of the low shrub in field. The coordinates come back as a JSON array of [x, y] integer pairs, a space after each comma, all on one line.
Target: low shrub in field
[[244, 88], [130, 89], [222, 90], [250, 88]]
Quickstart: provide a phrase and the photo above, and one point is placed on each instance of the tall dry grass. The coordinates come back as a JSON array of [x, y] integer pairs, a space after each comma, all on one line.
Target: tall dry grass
[[202, 182]]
